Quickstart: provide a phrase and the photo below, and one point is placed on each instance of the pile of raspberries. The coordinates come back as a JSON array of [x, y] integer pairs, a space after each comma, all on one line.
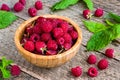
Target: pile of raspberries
[[49, 36], [92, 59]]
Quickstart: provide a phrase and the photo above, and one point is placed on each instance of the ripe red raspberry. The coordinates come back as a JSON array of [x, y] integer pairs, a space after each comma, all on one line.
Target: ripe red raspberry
[[92, 59], [5, 7], [67, 38], [40, 46], [38, 5], [23, 2], [76, 71], [52, 45], [64, 26], [51, 52], [67, 46], [99, 12], [29, 30], [29, 45], [15, 70], [18, 7], [37, 29], [41, 19], [102, 64], [60, 41], [47, 26], [109, 53], [87, 14], [55, 22], [58, 32], [35, 37], [32, 12], [74, 34], [45, 37], [92, 72]]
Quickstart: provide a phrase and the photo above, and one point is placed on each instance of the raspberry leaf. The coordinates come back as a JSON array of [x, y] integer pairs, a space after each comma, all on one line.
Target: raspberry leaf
[[3, 67], [94, 26], [101, 39], [108, 22], [89, 4], [63, 4], [6, 18], [6, 62], [113, 16], [5, 73]]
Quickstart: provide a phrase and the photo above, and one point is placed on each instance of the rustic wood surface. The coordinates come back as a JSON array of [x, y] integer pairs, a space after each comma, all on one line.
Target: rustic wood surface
[[31, 72]]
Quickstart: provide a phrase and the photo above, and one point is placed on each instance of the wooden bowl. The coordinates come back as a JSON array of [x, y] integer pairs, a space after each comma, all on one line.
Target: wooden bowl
[[42, 60]]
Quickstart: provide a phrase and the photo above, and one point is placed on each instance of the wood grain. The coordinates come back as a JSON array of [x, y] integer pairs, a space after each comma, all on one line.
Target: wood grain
[[8, 49]]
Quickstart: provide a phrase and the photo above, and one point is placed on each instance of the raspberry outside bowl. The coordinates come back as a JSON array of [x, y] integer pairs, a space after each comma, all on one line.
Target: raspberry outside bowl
[[43, 60]]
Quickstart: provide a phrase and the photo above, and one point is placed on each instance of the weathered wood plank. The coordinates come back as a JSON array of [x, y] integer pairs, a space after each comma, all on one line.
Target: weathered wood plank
[[8, 49]]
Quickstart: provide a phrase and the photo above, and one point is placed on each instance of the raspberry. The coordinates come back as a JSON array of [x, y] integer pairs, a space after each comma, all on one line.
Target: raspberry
[[51, 52], [29, 30], [60, 41], [47, 26], [41, 19], [109, 53], [74, 34], [46, 36], [57, 32], [102, 64], [18, 7], [67, 38], [52, 45], [87, 14], [15, 70], [38, 5], [76, 71], [64, 26], [40, 46], [54, 22], [99, 12], [5, 7], [29, 45], [92, 59], [67, 46], [37, 29], [32, 12], [23, 2], [92, 72], [34, 37]]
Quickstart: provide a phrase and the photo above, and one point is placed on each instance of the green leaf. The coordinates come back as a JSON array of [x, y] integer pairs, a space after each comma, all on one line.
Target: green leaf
[[113, 16], [102, 38], [63, 4], [89, 4], [94, 26], [6, 18], [6, 62], [6, 73], [109, 22], [3, 67]]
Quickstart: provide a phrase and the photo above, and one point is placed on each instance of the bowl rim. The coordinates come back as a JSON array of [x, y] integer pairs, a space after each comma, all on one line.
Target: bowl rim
[[21, 49]]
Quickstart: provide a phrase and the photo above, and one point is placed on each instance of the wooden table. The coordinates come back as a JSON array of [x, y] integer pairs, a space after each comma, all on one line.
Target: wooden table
[[31, 72]]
